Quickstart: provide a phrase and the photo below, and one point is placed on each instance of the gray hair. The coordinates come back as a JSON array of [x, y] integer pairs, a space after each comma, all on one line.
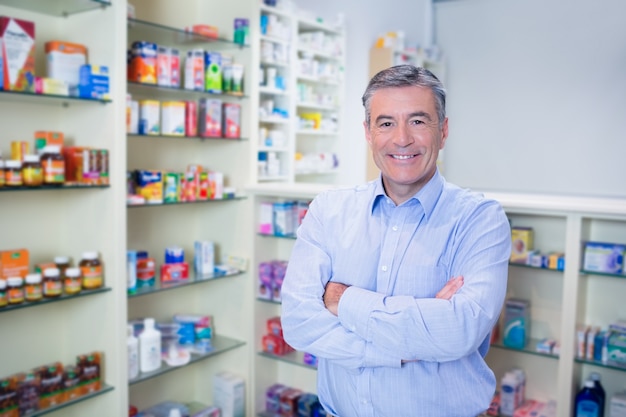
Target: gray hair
[[406, 76]]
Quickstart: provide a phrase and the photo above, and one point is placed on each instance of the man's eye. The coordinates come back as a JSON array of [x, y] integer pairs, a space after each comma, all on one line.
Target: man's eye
[[417, 122], [385, 124]]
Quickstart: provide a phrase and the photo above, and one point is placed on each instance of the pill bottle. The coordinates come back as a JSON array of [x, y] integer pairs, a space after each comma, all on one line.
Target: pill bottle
[[2, 179], [3, 293], [73, 281], [33, 289], [13, 173], [52, 284], [32, 172], [91, 270], [62, 262], [15, 290], [53, 165]]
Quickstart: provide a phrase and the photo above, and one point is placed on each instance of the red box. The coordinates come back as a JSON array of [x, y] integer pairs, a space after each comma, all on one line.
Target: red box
[[289, 402], [231, 124], [275, 345], [275, 327], [191, 118], [174, 272]]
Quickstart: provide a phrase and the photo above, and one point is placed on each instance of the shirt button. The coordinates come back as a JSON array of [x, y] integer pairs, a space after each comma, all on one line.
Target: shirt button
[[384, 268], [395, 228]]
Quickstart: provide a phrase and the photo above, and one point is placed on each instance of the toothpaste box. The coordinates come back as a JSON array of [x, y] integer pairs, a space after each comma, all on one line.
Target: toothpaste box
[[17, 39]]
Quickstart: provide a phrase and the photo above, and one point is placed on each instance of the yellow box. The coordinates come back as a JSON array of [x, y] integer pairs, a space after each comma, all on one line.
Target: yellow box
[[521, 244]]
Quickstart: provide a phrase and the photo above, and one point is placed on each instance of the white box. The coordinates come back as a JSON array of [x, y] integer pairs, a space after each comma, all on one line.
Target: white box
[[617, 406], [204, 257], [173, 118], [229, 394]]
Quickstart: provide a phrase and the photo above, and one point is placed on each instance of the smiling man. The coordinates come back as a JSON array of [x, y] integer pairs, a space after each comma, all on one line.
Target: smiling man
[[396, 285]]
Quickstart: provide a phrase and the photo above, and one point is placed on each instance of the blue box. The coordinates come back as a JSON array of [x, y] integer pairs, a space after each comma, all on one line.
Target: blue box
[[93, 82], [604, 257], [516, 323]]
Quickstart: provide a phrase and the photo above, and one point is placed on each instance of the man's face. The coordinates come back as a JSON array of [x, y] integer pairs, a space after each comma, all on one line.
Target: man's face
[[405, 138]]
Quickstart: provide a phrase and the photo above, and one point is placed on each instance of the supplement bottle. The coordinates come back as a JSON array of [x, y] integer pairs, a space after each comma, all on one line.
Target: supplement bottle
[[13, 173], [62, 262], [52, 284], [53, 165], [149, 347], [91, 270], [73, 281], [15, 290], [33, 290], [587, 403], [3, 293], [32, 172]]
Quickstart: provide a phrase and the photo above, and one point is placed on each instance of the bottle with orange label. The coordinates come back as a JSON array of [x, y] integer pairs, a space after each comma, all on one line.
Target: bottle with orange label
[[32, 172], [33, 288], [52, 284], [72, 283], [91, 270], [13, 173], [53, 164]]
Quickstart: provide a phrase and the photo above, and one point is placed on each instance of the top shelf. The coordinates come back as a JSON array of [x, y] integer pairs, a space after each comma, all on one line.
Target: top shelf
[[165, 35], [57, 7]]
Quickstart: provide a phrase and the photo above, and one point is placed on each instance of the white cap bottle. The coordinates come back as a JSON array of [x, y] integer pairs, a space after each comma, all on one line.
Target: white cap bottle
[[133, 353], [149, 347]]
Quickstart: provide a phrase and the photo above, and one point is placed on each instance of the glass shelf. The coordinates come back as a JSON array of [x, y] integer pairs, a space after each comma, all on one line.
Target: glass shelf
[[56, 7], [277, 236], [220, 344], [170, 36], [50, 99], [64, 297], [215, 200], [198, 279], [294, 358], [53, 187], [601, 364], [200, 138], [533, 267], [530, 349], [265, 300], [602, 274], [104, 389], [137, 87]]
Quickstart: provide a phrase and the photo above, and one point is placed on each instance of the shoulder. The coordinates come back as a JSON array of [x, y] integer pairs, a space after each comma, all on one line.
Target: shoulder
[[345, 198], [467, 201]]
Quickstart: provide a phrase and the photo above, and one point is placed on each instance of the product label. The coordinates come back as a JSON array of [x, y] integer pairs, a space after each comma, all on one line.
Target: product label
[[52, 288], [13, 177], [33, 292], [587, 408], [92, 276], [72, 286], [53, 171], [3, 298], [16, 295], [33, 175]]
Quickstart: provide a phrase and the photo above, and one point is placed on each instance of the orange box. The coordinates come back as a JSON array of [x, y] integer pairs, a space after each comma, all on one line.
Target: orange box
[[45, 138], [14, 263], [8, 394], [51, 390], [92, 369], [39, 268], [204, 30]]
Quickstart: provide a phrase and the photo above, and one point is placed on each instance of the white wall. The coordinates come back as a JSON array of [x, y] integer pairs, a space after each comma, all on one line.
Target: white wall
[[365, 20], [537, 94]]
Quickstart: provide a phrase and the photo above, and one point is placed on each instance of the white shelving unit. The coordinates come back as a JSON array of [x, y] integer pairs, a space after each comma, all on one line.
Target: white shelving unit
[[155, 227], [52, 221]]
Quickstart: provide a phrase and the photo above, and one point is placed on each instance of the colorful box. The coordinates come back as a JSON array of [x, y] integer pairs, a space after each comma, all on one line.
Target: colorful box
[[173, 118], [163, 66], [232, 120], [92, 371], [17, 39], [213, 72], [149, 185], [516, 323], [14, 263], [143, 59], [64, 60], [204, 257], [229, 394], [210, 118], [51, 390], [149, 117], [604, 257], [94, 82], [174, 272], [521, 244], [194, 70], [191, 118]]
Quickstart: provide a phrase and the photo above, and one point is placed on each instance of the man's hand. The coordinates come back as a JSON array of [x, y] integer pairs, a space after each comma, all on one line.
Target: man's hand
[[332, 295], [451, 287]]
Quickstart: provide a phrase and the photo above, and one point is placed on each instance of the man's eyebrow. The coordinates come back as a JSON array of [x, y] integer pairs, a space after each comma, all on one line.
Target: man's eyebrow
[[423, 114]]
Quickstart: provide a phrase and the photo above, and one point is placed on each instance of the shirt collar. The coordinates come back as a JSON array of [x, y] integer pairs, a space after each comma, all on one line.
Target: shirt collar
[[427, 196]]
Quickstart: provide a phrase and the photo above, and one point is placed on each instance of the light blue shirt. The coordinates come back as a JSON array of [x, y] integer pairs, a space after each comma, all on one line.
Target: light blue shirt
[[395, 259]]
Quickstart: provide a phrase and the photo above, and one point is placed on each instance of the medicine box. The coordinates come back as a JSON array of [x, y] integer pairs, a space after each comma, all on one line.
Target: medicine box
[[617, 348], [173, 118], [617, 405], [14, 263], [204, 257], [521, 244], [213, 74], [232, 120], [194, 70], [94, 82], [142, 66], [64, 61], [516, 323], [17, 41], [604, 257], [149, 117], [210, 117], [229, 394]]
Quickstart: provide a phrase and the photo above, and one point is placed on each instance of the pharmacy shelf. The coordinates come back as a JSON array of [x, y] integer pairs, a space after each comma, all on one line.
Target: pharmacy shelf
[[220, 344], [306, 25], [172, 137], [316, 106], [178, 203], [167, 35], [196, 279], [54, 187], [530, 349], [518, 265], [274, 39], [136, 87], [48, 99], [292, 237], [317, 80], [319, 54], [316, 132], [318, 172], [602, 274], [277, 64], [105, 388], [265, 300], [273, 91], [57, 7], [44, 301], [600, 364], [274, 10], [294, 358]]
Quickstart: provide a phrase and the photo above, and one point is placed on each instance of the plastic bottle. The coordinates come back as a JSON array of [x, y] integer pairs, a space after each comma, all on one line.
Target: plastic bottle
[[587, 401], [599, 389], [149, 347], [509, 394], [133, 353]]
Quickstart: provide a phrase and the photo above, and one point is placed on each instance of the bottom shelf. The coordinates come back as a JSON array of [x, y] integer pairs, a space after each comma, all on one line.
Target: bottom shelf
[[105, 388], [295, 358], [220, 344]]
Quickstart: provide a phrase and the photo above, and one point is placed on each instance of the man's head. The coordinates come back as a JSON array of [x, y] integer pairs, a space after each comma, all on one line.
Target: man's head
[[405, 127], [404, 76]]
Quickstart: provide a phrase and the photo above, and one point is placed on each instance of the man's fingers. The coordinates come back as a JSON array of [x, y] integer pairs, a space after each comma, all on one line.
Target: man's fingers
[[451, 287]]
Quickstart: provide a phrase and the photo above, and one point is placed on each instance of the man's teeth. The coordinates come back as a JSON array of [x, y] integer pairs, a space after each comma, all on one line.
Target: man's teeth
[[402, 156]]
